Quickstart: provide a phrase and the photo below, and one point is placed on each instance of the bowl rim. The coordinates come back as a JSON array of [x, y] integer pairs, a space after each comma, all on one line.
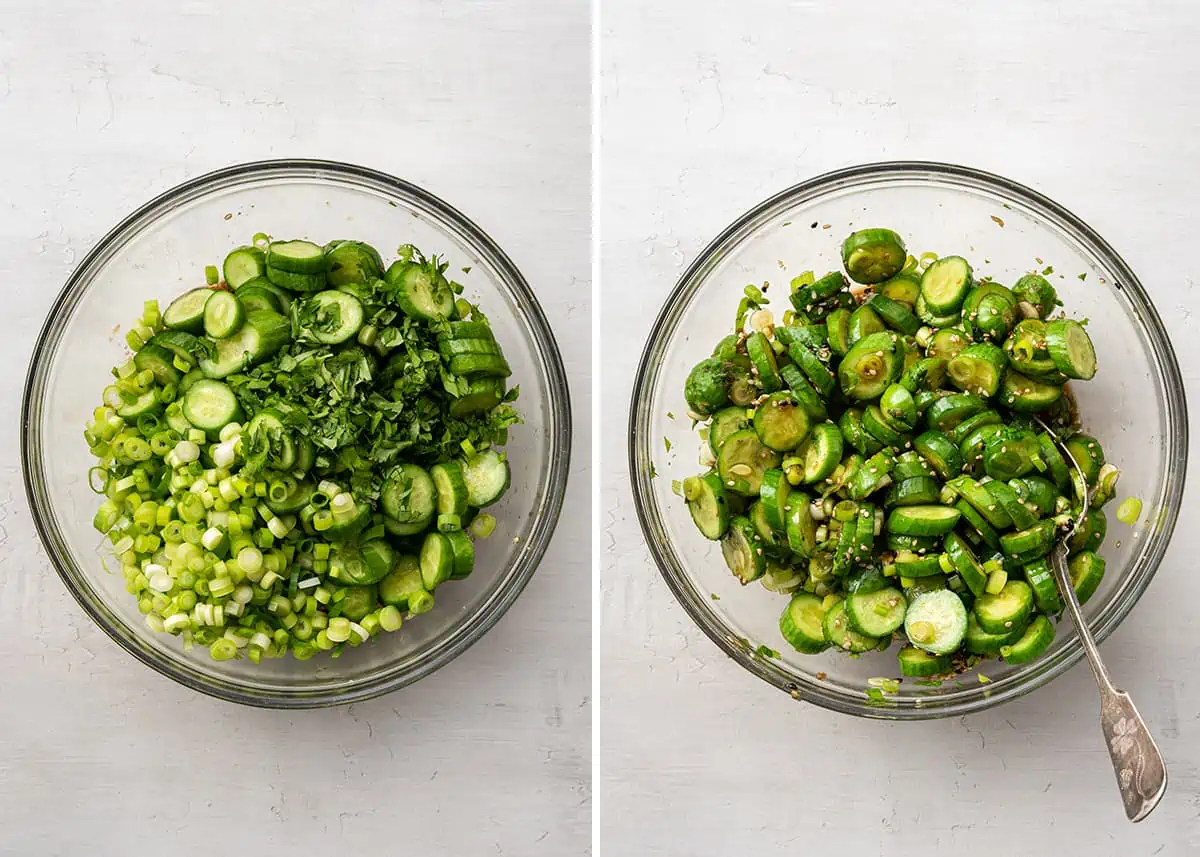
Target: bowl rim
[[558, 431], [971, 699]]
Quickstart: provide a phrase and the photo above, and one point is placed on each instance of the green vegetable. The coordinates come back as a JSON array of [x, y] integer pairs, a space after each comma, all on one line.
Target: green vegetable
[[255, 477]]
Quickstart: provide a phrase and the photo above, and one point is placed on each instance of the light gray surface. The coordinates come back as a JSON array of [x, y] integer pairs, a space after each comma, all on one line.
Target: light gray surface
[[486, 105], [703, 115]]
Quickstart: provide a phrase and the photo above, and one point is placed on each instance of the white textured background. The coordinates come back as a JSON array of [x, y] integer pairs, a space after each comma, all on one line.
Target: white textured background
[[706, 111], [104, 105]]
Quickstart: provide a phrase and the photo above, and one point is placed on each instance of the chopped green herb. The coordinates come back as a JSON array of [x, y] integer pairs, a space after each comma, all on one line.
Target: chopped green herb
[[766, 652], [1048, 270]]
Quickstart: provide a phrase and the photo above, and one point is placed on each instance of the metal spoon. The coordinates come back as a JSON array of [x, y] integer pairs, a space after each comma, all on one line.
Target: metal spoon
[[1137, 762]]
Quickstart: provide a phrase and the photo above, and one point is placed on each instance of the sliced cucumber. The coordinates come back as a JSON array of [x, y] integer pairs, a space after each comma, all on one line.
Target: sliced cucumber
[[838, 632], [243, 265], [922, 520], [966, 564], [296, 282], [147, 403], [409, 496], [437, 560], [1009, 608], [917, 491], [781, 423], [705, 497], [253, 296], [487, 476], [945, 284], [296, 257], [332, 317], [936, 622], [352, 262], [186, 312], [851, 426], [986, 532], [895, 315], [181, 344], [982, 500], [918, 663], [707, 387], [877, 426], [1003, 494], [1071, 349], [449, 348], [941, 453], [223, 315], [725, 422], [402, 582], [1090, 535], [984, 418], [814, 369], [159, 361], [980, 642], [773, 497], [1040, 578], [947, 343], [421, 290], [263, 334], [742, 461], [871, 365], [762, 355], [903, 288], [1027, 545], [1027, 396], [1030, 645], [482, 394], [928, 373], [864, 322], [947, 412], [876, 614], [463, 550], [490, 365], [299, 492], [801, 624], [211, 405], [837, 328], [799, 526], [814, 336], [1087, 570], [451, 485], [821, 453], [873, 255], [1088, 454], [978, 369], [743, 550]]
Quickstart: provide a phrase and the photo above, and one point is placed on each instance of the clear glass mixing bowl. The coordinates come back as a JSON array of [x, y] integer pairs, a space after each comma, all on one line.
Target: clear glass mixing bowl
[[1135, 406], [160, 250]]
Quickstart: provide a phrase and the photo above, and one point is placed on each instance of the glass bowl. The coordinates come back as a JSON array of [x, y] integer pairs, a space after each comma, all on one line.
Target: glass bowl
[[1135, 406], [160, 250]]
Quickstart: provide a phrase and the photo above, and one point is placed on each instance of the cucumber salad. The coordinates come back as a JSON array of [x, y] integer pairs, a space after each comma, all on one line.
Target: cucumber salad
[[874, 456], [295, 457]]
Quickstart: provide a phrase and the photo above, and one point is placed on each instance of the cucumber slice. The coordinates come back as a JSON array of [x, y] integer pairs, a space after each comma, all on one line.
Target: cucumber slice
[[947, 344], [1029, 544], [437, 561], [262, 284], [482, 394], [1087, 570], [864, 533], [1009, 608], [223, 315], [922, 520], [263, 334], [186, 312], [911, 566], [724, 423], [402, 582], [982, 500], [821, 453], [296, 282], [837, 328], [1088, 454], [1038, 494], [763, 358], [874, 474], [873, 255], [803, 390], [851, 426], [894, 314], [148, 402], [175, 418], [815, 336], [864, 322], [992, 317], [945, 284], [211, 405], [253, 296], [181, 344], [914, 544], [1022, 518], [1027, 396], [159, 361], [1045, 589], [932, 319], [707, 387], [947, 412], [966, 564], [971, 448], [331, 317], [771, 544], [773, 497], [814, 369], [487, 476], [243, 265], [876, 614], [463, 550], [266, 434], [296, 257], [743, 550], [940, 452], [1056, 466], [977, 369], [871, 365], [1030, 645], [421, 290], [1010, 453], [980, 642], [801, 624], [490, 365], [1036, 291], [449, 348], [838, 632], [1090, 535], [928, 373], [742, 461], [910, 465], [916, 491], [1071, 349], [918, 663], [352, 262], [979, 524], [876, 425], [705, 498], [964, 429], [799, 526], [781, 423], [903, 288], [409, 496], [936, 622], [451, 485]]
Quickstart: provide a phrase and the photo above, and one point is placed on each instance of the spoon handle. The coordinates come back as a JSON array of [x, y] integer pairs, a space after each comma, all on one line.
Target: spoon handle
[[1137, 762]]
